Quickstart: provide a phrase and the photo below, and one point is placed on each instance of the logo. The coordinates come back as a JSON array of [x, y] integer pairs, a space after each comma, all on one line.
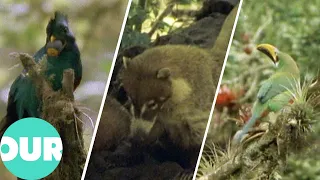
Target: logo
[[31, 148]]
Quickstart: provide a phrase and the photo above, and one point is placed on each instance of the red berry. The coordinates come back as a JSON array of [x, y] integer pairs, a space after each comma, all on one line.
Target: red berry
[[247, 49], [225, 96]]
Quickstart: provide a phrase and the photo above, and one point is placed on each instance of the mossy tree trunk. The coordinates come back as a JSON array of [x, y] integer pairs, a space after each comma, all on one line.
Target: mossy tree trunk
[[263, 154], [58, 108]]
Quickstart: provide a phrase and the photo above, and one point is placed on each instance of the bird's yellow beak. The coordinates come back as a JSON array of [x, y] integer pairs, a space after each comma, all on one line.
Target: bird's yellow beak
[[270, 51], [52, 38], [52, 51]]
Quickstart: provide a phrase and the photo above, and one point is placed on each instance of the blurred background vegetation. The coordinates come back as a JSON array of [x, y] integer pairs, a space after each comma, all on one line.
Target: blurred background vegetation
[[96, 25], [149, 19], [291, 26]]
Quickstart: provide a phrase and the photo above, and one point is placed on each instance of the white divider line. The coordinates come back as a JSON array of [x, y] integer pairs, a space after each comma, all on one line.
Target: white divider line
[[106, 90], [218, 87]]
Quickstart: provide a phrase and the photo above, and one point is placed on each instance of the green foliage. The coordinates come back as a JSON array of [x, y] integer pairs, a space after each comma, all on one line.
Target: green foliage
[[303, 167], [293, 28], [134, 38], [144, 14]]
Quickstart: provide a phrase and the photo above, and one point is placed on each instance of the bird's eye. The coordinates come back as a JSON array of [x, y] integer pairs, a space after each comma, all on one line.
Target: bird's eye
[[64, 29], [277, 58]]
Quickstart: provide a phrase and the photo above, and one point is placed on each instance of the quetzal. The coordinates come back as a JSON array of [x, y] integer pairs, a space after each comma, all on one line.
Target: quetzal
[[275, 92], [62, 53]]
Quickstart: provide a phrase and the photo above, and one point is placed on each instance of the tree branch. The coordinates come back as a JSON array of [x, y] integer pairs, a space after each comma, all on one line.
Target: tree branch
[[262, 155], [67, 83], [59, 110], [165, 13]]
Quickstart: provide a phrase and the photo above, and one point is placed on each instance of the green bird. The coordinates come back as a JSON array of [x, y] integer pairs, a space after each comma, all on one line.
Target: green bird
[[62, 53], [275, 92]]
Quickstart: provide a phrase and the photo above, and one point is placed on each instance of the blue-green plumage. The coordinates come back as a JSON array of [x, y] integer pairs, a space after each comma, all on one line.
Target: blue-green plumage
[[275, 92], [23, 99]]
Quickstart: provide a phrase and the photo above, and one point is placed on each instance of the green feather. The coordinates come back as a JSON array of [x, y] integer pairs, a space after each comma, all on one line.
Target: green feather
[[279, 101], [24, 95], [277, 83]]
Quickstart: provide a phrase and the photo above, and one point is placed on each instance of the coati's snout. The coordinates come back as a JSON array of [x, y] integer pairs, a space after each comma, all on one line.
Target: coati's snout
[[147, 110], [144, 117], [140, 129]]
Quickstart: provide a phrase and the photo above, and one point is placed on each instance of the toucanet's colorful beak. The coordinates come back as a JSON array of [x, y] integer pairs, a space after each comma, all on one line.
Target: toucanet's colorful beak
[[270, 51]]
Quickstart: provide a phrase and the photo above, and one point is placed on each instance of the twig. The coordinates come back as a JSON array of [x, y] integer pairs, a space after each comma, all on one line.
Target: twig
[[77, 131], [165, 13], [67, 83], [248, 73], [90, 120], [261, 28], [252, 88], [88, 109]]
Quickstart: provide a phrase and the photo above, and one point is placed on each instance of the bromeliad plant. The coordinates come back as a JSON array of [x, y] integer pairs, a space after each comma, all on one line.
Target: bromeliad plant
[[264, 155]]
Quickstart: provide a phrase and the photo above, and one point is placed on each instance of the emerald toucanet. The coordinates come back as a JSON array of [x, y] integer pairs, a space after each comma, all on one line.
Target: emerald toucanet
[[62, 53], [274, 93]]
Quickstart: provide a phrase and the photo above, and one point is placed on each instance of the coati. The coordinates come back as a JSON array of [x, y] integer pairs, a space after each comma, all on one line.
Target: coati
[[113, 127], [171, 89]]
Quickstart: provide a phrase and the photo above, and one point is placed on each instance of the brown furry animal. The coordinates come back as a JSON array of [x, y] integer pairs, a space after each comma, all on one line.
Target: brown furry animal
[[171, 89], [114, 125]]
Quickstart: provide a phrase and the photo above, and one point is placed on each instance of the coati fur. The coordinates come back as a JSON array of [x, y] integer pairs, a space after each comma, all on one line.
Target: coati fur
[[115, 90], [171, 89], [114, 126]]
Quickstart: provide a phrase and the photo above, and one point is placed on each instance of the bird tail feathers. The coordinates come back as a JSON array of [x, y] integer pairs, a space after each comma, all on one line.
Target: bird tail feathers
[[239, 135]]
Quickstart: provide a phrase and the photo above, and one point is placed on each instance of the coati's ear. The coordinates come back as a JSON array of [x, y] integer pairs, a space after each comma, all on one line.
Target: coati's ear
[[125, 62], [163, 73]]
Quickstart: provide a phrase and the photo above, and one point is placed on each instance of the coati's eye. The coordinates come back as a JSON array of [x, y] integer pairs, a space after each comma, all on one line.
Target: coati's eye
[[152, 105]]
